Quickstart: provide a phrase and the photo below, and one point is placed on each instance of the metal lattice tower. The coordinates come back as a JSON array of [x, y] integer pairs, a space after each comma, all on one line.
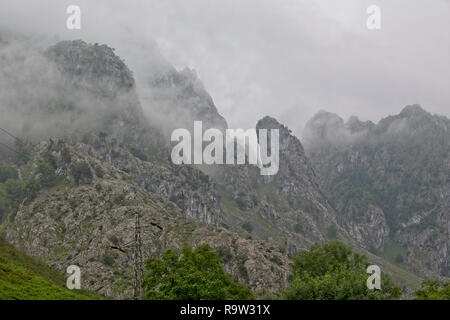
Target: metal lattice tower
[[137, 258], [135, 248]]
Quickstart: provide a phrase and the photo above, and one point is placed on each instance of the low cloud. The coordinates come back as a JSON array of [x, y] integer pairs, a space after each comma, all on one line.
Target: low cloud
[[260, 58]]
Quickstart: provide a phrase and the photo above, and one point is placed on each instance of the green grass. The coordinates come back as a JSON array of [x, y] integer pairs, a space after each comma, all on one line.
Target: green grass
[[23, 278], [185, 231], [266, 226], [391, 251], [228, 202], [399, 274]]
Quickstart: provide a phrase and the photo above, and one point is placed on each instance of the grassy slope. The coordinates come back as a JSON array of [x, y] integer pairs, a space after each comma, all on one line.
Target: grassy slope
[[23, 278], [399, 275]]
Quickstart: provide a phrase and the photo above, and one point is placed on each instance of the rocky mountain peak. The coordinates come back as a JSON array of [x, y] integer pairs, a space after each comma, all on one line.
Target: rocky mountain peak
[[325, 124], [414, 111], [269, 123], [353, 124], [179, 99], [325, 129], [288, 142], [93, 64]]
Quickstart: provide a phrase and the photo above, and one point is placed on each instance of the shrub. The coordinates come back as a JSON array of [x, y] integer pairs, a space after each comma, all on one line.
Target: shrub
[[298, 228], [48, 177], [138, 154], [119, 199], [399, 258], [247, 226], [242, 269], [108, 259], [14, 190], [50, 159], [23, 154], [7, 173], [81, 172], [224, 254], [65, 155], [31, 188], [98, 171], [241, 203], [254, 199], [114, 240], [204, 178]]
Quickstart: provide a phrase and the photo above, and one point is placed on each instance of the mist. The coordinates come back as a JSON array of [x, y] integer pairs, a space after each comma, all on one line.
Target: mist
[[255, 58], [40, 100]]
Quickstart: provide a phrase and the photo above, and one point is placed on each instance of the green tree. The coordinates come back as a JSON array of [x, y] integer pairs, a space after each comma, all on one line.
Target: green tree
[[23, 154], [247, 226], [65, 154], [48, 177], [14, 190], [334, 272], [138, 153], [433, 290], [7, 173], [81, 172], [194, 275], [31, 188]]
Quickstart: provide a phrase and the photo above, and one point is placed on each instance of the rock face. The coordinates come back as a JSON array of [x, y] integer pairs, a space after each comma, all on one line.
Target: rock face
[[90, 181], [178, 98], [287, 208], [91, 224], [92, 66], [389, 183]]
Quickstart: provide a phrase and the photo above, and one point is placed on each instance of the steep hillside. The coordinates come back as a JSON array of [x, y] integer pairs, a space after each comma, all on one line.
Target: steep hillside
[[389, 183], [177, 99], [287, 208], [73, 197], [84, 212], [24, 278]]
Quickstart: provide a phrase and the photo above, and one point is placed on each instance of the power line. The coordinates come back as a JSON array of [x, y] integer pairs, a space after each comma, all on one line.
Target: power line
[[8, 147], [135, 246], [11, 135]]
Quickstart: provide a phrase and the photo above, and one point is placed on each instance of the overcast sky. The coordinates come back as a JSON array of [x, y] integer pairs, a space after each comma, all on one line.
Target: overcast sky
[[284, 58]]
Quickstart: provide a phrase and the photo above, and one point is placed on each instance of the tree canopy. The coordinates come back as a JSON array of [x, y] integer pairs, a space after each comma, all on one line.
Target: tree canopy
[[433, 290], [193, 275], [334, 272]]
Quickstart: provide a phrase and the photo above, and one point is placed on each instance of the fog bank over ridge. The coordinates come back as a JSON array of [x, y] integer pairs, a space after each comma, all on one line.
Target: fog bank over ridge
[[287, 61]]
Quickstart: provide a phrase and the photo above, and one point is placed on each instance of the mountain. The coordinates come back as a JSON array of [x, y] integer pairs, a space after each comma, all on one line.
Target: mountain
[[87, 218], [389, 183], [287, 208], [74, 198], [92, 174]]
